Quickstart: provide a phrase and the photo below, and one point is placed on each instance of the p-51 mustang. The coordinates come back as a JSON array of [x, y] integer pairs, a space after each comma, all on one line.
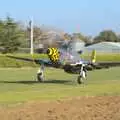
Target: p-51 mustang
[[71, 63]]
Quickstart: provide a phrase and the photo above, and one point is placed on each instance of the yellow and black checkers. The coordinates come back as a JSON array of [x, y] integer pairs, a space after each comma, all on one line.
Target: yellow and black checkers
[[53, 54]]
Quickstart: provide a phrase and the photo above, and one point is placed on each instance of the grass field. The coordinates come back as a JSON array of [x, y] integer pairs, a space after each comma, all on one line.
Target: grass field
[[18, 85]]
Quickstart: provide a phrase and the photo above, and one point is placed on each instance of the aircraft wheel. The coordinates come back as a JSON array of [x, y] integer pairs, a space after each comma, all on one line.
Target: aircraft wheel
[[79, 80], [40, 78]]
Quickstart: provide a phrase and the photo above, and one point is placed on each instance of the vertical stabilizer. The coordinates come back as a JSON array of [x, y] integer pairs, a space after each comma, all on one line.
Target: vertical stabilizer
[[93, 56]]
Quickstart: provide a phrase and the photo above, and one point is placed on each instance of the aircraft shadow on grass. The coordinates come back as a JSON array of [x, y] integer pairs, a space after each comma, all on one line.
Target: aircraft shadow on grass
[[36, 82]]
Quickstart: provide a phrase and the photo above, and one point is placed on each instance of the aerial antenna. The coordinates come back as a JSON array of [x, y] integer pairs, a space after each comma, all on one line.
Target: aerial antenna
[[31, 36]]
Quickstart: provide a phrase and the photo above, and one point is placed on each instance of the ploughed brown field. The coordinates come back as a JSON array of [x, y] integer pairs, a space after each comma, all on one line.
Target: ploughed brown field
[[79, 108]]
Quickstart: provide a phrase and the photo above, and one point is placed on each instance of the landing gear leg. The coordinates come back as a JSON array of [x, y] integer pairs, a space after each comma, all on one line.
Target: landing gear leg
[[40, 73], [82, 76], [80, 79]]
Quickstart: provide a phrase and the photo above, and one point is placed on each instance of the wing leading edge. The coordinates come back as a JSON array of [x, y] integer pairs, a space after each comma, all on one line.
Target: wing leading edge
[[46, 62]]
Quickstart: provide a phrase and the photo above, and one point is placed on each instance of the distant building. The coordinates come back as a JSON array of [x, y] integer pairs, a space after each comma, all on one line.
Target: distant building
[[104, 47]]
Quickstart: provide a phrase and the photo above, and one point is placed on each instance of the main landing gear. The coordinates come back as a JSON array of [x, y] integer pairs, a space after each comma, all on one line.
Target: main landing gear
[[82, 75], [40, 74]]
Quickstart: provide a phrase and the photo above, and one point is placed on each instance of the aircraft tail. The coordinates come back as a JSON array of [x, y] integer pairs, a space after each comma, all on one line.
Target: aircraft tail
[[93, 56], [53, 54]]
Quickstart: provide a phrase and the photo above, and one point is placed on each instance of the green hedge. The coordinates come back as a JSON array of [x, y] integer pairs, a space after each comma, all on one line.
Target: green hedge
[[9, 62]]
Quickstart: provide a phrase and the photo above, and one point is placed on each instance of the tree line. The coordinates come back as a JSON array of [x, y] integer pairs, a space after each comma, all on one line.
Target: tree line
[[14, 35]]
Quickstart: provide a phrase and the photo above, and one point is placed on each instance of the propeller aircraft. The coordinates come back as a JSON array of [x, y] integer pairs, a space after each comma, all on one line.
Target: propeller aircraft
[[70, 63]]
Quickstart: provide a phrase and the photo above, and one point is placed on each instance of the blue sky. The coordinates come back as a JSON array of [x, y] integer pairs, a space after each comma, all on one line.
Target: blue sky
[[86, 16]]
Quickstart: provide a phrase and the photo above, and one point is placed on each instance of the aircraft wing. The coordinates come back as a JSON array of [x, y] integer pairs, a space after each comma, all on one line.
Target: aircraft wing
[[93, 64], [101, 65], [107, 64], [46, 62]]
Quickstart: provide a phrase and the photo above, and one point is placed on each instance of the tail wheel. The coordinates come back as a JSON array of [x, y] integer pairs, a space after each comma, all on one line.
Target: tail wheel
[[79, 80]]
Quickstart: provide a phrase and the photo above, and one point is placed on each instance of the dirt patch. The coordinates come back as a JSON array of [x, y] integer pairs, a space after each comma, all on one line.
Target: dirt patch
[[80, 108]]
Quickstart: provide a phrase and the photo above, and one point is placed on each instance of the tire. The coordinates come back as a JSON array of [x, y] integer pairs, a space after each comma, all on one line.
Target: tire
[[79, 80], [40, 77]]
